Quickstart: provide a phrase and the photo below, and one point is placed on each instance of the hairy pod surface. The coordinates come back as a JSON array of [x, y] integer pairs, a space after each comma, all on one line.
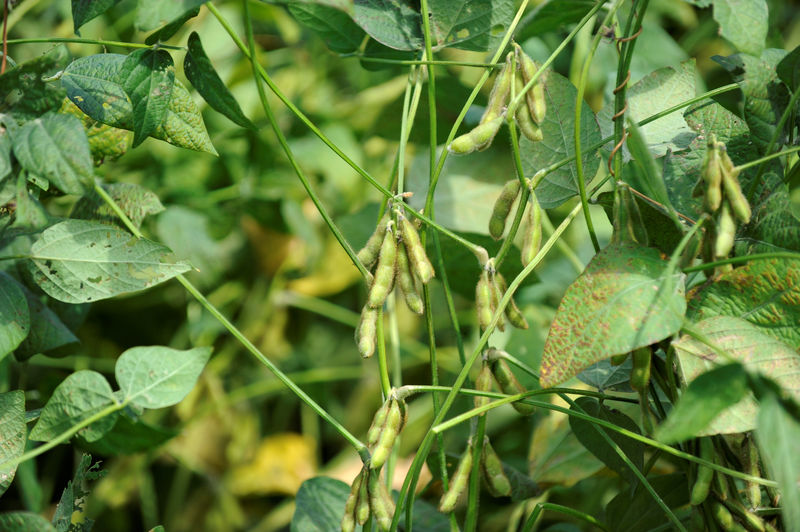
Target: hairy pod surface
[[711, 173], [723, 517], [367, 331], [510, 385], [483, 383], [348, 523], [726, 232], [535, 97], [479, 138], [493, 472], [362, 506], [532, 241], [498, 98], [418, 258], [483, 300], [502, 208], [380, 502], [405, 278], [378, 422], [640, 374], [384, 271], [512, 311], [369, 253], [522, 114], [705, 475], [496, 295], [391, 429], [458, 482], [733, 193]]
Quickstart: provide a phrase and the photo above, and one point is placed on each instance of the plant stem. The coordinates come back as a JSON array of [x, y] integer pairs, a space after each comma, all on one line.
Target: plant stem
[[99, 42], [743, 258], [756, 162], [566, 510]]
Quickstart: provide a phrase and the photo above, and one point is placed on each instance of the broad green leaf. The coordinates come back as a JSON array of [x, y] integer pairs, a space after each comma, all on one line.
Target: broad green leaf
[[319, 505], [30, 214], [25, 93], [78, 261], [156, 376], [744, 23], [377, 50], [703, 400], [15, 321], [135, 201], [55, 147], [553, 14], [85, 10], [558, 129], [471, 24], [13, 430], [625, 299], [777, 434], [25, 522], [606, 376], [747, 345], [764, 292], [557, 457], [5, 153], [335, 27], [151, 14], [47, 333], [92, 84], [172, 28], [341, 5], [395, 23], [598, 446], [201, 74], [647, 177], [105, 142], [129, 437], [147, 76], [640, 513], [788, 69], [80, 396]]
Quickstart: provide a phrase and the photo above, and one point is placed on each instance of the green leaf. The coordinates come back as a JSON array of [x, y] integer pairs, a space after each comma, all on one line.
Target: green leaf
[[25, 93], [105, 142], [151, 14], [147, 76], [129, 437], [394, 23], [47, 333], [85, 10], [598, 446], [80, 396], [335, 27], [15, 321], [201, 74], [135, 201], [625, 299], [557, 457], [553, 14], [341, 5], [56, 148], [703, 400], [78, 261], [747, 345], [640, 513], [172, 28], [558, 129], [788, 69], [766, 293], [92, 84], [744, 23], [25, 522], [470, 25], [156, 376], [5, 153], [777, 435], [319, 505], [662, 232], [74, 496], [13, 429], [606, 376]]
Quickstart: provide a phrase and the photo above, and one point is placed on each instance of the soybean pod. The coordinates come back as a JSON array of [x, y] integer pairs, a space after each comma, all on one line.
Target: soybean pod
[[512, 311], [458, 482], [385, 270], [405, 279], [380, 502], [367, 331], [640, 374], [532, 241], [535, 96], [712, 176], [483, 383], [418, 259], [705, 475], [478, 138], [498, 98], [502, 208], [493, 472], [508, 382], [369, 253], [391, 429], [522, 114], [483, 301]]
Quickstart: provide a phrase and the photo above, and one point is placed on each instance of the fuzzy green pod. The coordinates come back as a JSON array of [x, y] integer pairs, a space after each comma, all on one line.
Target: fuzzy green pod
[[384, 271], [733, 191], [723, 517], [348, 523], [378, 422], [405, 279], [509, 384], [369, 253], [483, 300], [532, 241], [498, 98], [535, 96], [750, 458], [496, 295], [479, 138], [417, 257], [522, 114], [483, 383], [705, 475], [493, 472], [502, 208], [380, 502], [512, 311], [458, 482], [640, 374], [362, 506], [725, 232], [711, 172], [391, 429], [367, 331]]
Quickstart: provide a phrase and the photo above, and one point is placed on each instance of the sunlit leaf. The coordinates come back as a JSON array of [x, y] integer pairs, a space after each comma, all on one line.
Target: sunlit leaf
[[744, 23], [319, 505], [151, 14], [147, 76], [13, 430]]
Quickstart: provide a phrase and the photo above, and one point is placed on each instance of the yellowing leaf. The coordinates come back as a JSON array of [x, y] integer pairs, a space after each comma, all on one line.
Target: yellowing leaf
[[281, 463]]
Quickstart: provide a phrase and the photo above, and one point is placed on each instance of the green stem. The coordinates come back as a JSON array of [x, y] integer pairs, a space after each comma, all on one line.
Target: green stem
[[383, 367], [566, 510], [474, 489], [523, 197], [237, 334], [763, 159], [419, 459], [413, 62], [743, 258], [99, 42], [562, 246], [579, 103]]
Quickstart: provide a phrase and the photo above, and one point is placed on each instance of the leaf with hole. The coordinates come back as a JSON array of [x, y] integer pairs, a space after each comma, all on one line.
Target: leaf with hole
[[77, 261], [157, 376], [25, 93], [79, 397]]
